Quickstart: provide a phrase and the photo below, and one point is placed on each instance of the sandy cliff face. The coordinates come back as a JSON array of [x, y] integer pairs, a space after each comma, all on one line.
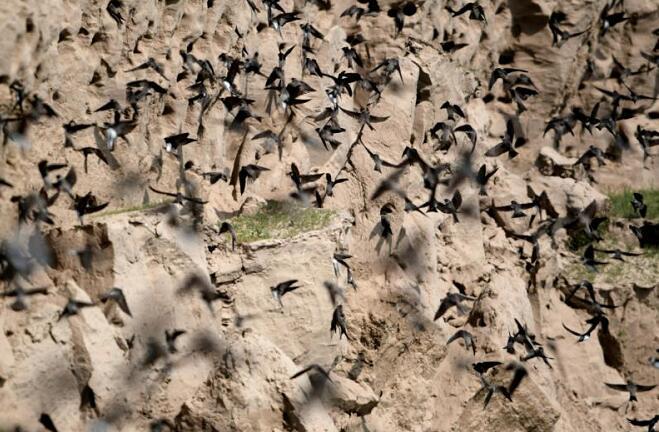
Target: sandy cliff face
[[231, 369]]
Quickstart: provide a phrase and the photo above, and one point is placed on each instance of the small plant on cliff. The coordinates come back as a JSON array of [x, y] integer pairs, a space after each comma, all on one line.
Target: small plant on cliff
[[279, 220]]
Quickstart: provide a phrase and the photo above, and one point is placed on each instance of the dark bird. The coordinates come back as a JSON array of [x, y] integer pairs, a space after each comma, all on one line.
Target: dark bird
[[647, 139], [87, 204], [468, 130], [594, 322], [587, 121], [466, 337], [88, 151], [365, 118], [215, 176], [561, 126], [452, 299], [639, 205], [173, 142], [398, 12], [584, 284], [72, 307], [326, 135], [278, 291], [617, 254], [491, 389], [378, 162], [179, 197], [301, 179], [508, 143], [537, 351], [483, 367], [208, 293], [560, 36], [117, 296], [475, 10], [152, 64], [114, 9], [452, 206], [502, 74], [453, 111], [632, 388], [21, 295], [482, 177], [279, 21], [592, 152], [510, 344], [46, 168], [249, 171], [330, 184], [608, 21], [516, 208], [339, 322], [311, 67], [650, 423], [226, 227], [352, 56], [589, 260], [518, 375], [389, 66]]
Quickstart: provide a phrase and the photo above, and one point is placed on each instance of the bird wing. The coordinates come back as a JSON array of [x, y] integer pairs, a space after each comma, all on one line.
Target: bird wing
[[162, 192], [445, 304], [377, 119], [520, 373], [571, 331], [457, 335], [637, 422], [619, 387], [352, 114], [644, 388], [123, 305], [497, 150]]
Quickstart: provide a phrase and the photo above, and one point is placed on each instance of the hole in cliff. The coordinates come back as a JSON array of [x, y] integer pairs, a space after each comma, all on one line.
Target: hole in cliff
[[69, 247], [507, 57], [99, 37], [56, 96], [488, 98], [64, 35], [167, 110], [611, 350], [423, 86], [527, 17], [83, 31], [29, 25]]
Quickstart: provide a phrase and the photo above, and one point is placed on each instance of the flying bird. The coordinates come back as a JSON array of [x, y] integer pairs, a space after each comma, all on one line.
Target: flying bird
[[467, 337], [278, 291], [117, 295]]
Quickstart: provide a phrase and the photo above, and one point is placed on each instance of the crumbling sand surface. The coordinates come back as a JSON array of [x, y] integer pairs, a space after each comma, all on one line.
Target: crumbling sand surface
[[233, 365]]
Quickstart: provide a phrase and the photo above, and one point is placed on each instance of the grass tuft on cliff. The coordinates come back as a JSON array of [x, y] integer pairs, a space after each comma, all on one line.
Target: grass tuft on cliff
[[621, 206], [279, 220]]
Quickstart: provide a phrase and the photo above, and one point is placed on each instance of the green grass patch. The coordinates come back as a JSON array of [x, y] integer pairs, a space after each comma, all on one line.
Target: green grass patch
[[621, 206], [135, 208], [279, 220]]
